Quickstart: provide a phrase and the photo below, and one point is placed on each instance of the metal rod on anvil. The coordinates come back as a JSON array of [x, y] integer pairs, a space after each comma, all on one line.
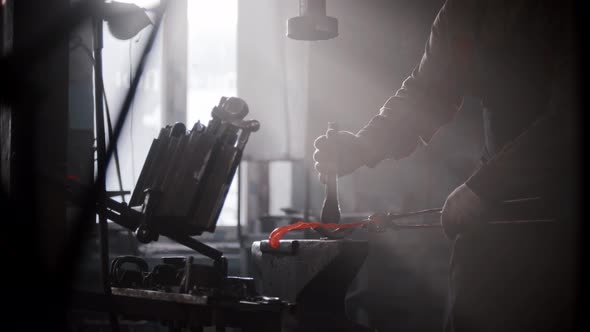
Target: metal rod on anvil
[[379, 222]]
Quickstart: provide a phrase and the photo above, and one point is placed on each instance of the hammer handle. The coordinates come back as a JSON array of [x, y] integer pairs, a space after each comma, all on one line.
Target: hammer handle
[[331, 207]]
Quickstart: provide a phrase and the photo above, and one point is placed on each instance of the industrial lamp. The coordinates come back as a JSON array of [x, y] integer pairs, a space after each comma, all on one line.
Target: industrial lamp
[[312, 22], [125, 20]]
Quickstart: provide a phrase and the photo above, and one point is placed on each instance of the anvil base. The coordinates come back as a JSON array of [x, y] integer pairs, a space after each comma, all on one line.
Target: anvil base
[[315, 275]]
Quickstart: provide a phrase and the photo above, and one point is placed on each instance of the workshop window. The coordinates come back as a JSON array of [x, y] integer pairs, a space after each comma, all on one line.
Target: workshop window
[[212, 53], [212, 57]]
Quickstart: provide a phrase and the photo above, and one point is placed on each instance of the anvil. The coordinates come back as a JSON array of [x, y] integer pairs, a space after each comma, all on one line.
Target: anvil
[[315, 275]]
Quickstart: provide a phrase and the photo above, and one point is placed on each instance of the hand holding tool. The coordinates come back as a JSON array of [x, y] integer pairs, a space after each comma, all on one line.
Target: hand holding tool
[[331, 208]]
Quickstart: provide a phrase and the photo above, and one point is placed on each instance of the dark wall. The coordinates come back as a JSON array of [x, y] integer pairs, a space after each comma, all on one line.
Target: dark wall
[[351, 77], [5, 111], [40, 125], [36, 226]]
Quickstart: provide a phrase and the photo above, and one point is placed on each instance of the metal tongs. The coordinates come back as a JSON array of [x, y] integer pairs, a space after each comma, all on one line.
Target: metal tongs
[[379, 222]]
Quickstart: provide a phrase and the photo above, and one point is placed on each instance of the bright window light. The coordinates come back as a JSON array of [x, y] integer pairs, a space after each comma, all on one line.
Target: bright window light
[[212, 57]]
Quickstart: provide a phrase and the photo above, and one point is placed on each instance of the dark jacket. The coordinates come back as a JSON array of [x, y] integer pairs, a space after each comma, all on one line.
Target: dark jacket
[[518, 57]]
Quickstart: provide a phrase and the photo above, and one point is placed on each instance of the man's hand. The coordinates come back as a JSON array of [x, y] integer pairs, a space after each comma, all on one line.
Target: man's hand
[[340, 152], [462, 210]]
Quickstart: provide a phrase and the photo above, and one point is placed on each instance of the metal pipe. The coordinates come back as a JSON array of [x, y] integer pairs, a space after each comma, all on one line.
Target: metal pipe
[[312, 7]]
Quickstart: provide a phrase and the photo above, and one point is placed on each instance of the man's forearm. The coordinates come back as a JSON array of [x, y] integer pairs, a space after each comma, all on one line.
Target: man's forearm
[[423, 104], [432, 94], [399, 128]]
